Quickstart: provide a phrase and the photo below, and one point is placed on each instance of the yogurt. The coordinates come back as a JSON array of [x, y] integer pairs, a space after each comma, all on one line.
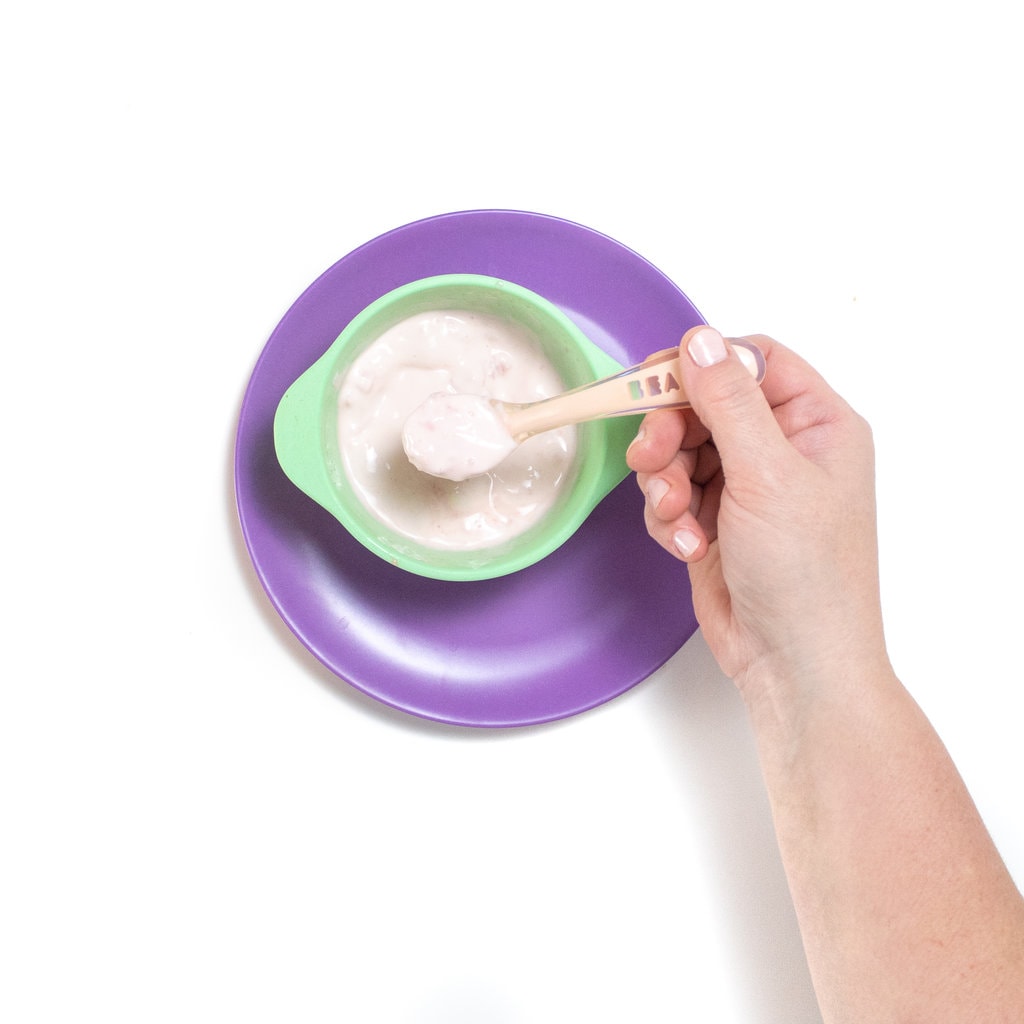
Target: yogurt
[[450, 353], [456, 436]]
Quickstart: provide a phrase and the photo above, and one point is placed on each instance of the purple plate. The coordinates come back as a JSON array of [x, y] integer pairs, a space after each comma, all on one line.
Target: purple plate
[[571, 632]]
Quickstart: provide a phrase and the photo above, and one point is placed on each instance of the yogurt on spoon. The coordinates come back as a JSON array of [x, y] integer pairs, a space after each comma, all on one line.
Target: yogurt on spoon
[[456, 436]]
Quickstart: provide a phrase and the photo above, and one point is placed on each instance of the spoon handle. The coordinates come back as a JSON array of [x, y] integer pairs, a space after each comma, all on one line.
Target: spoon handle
[[656, 383]]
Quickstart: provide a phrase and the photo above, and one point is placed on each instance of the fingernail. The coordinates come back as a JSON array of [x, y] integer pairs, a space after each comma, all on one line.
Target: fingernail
[[707, 347], [641, 433], [686, 541], [656, 490]]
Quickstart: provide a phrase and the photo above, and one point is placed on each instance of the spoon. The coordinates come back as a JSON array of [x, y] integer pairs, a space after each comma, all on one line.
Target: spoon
[[457, 436]]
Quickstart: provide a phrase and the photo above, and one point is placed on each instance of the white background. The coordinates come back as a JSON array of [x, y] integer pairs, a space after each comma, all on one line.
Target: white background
[[198, 822]]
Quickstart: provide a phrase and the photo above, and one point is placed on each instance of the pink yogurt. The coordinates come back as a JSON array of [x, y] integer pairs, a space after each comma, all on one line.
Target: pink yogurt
[[451, 353]]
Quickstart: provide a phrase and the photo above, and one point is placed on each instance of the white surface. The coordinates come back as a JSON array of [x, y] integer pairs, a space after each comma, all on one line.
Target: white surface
[[199, 823]]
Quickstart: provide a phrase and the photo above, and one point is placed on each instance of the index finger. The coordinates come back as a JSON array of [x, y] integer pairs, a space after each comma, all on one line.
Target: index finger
[[797, 393], [663, 433], [788, 376]]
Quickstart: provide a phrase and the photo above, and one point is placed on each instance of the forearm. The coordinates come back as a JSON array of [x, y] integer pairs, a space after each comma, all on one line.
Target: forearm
[[906, 909]]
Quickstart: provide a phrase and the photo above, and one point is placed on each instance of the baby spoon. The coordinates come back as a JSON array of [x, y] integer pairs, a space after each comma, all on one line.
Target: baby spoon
[[458, 436]]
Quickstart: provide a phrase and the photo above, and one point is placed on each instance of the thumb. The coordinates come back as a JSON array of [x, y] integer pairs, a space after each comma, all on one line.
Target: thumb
[[728, 400]]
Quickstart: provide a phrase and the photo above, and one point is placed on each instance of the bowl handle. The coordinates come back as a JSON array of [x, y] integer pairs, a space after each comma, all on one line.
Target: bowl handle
[[298, 438]]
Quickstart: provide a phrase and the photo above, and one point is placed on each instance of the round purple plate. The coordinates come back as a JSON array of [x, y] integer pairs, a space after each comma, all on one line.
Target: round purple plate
[[571, 632]]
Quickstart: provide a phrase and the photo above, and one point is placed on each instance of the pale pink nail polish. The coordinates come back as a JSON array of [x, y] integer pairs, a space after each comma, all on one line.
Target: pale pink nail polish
[[656, 490], [641, 433], [686, 542], [707, 347]]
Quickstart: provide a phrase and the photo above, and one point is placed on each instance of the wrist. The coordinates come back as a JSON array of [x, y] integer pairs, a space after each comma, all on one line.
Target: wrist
[[790, 680]]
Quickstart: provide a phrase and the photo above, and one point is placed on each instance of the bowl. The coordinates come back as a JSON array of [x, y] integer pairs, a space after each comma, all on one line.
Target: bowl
[[306, 428]]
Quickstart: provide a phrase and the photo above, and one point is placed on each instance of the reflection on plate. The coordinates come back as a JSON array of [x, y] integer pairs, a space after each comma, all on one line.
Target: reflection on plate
[[584, 625]]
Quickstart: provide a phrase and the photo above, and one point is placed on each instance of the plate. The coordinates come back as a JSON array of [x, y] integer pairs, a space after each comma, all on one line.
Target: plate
[[581, 627]]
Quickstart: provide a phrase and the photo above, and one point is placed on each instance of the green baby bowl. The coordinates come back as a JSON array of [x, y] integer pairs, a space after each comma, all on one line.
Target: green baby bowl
[[306, 441]]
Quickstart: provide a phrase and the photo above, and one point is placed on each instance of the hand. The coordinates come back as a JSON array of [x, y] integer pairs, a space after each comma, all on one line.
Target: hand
[[768, 494]]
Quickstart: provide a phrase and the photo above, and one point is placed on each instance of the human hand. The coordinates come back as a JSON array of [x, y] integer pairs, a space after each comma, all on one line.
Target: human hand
[[768, 494]]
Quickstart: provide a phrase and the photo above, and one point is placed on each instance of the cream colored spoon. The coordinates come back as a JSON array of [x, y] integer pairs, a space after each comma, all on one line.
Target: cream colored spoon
[[459, 436]]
